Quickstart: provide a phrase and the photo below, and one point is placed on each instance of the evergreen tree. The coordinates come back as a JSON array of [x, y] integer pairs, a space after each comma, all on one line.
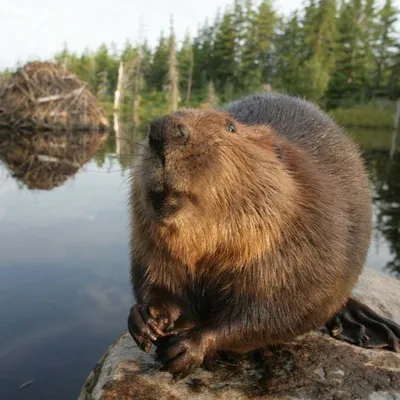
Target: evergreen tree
[[384, 44], [239, 26], [112, 67], [145, 65], [85, 69], [173, 73], [158, 72], [335, 57], [264, 38], [319, 38], [185, 59], [367, 24], [101, 63], [348, 78], [129, 53], [66, 58], [289, 61], [249, 72], [203, 47], [224, 61]]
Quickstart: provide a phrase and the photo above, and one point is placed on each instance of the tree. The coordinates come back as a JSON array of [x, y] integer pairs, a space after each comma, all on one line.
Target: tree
[[186, 61], [102, 64], [85, 69], [320, 33], [103, 85], [158, 71], [248, 74], [173, 73], [349, 74], [289, 62], [265, 23], [384, 43], [224, 61], [66, 58], [129, 53], [240, 28], [368, 25], [146, 62], [334, 52], [203, 56]]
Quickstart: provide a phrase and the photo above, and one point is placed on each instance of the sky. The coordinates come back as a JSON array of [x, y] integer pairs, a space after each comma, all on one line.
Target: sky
[[37, 29]]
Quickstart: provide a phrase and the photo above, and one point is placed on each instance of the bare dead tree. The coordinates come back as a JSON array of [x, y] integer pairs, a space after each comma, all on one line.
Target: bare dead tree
[[118, 91], [136, 89]]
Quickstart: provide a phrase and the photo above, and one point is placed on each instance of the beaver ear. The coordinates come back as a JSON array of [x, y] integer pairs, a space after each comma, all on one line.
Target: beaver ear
[[230, 126]]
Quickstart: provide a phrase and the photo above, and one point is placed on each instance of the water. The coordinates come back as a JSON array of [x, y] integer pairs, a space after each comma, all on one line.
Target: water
[[64, 282]]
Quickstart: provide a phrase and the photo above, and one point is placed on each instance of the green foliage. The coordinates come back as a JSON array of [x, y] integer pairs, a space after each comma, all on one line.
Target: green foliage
[[264, 39], [373, 115], [203, 58], [289, 62], [186, 63], [224, 61], [350, 76], [384, 42], [158, 73], [336, 53]]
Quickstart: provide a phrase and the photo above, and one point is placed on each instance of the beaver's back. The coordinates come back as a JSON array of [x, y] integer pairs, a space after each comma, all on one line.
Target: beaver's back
[[329, 148]]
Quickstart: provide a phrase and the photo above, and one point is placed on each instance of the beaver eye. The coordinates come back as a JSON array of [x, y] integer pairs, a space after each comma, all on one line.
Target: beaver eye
[[230, 127]]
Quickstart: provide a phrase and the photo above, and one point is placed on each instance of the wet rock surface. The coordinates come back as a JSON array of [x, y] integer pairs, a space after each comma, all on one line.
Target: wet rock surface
[[315, 366]]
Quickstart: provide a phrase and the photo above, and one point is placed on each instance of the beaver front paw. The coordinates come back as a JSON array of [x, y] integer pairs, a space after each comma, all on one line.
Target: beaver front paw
[[146, 325], [181, 354]]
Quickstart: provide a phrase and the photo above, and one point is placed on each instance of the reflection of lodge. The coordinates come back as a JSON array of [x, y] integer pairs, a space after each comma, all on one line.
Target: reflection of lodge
[[45, 160], [385, 174]]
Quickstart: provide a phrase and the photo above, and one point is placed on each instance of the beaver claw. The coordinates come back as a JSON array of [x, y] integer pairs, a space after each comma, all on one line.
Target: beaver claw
[[180, 355], [145, 326], [358, 324]]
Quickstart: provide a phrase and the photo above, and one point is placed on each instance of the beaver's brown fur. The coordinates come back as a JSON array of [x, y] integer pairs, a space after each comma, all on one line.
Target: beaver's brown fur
[[251, 222]]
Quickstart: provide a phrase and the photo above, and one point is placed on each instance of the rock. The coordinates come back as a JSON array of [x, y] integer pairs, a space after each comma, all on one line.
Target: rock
[[315, 366]]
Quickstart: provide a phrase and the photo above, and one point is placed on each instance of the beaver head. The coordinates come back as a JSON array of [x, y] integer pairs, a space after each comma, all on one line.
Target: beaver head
[[203, 175]]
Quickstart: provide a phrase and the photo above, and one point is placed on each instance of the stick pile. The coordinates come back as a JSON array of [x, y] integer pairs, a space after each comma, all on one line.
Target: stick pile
[[45, 96]]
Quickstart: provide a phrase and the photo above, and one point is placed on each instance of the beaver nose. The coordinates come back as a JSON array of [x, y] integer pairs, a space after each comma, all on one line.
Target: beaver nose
[[166, 131]]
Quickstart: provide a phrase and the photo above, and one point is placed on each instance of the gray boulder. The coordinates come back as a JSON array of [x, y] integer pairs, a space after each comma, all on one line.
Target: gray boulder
[[315, 366]]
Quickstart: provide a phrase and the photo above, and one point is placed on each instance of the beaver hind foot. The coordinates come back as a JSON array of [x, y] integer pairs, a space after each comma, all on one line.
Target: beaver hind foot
[[358, 324]]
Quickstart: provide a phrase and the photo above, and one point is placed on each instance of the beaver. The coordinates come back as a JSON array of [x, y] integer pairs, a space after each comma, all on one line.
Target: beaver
[[250, 226]]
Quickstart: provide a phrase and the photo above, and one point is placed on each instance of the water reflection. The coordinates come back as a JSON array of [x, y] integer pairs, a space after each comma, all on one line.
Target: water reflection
[[127, 141], [64, 281], [45, 160], [385, 178]]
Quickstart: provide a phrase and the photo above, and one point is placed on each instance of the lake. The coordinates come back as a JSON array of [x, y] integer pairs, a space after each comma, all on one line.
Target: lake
[[64, 280]]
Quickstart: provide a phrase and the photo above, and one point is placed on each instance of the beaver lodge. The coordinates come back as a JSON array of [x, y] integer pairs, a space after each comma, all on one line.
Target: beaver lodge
[[45, 160], [43, 95]]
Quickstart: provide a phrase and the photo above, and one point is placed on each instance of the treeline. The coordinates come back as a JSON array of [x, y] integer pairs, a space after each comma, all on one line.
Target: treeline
[[334, 53]]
